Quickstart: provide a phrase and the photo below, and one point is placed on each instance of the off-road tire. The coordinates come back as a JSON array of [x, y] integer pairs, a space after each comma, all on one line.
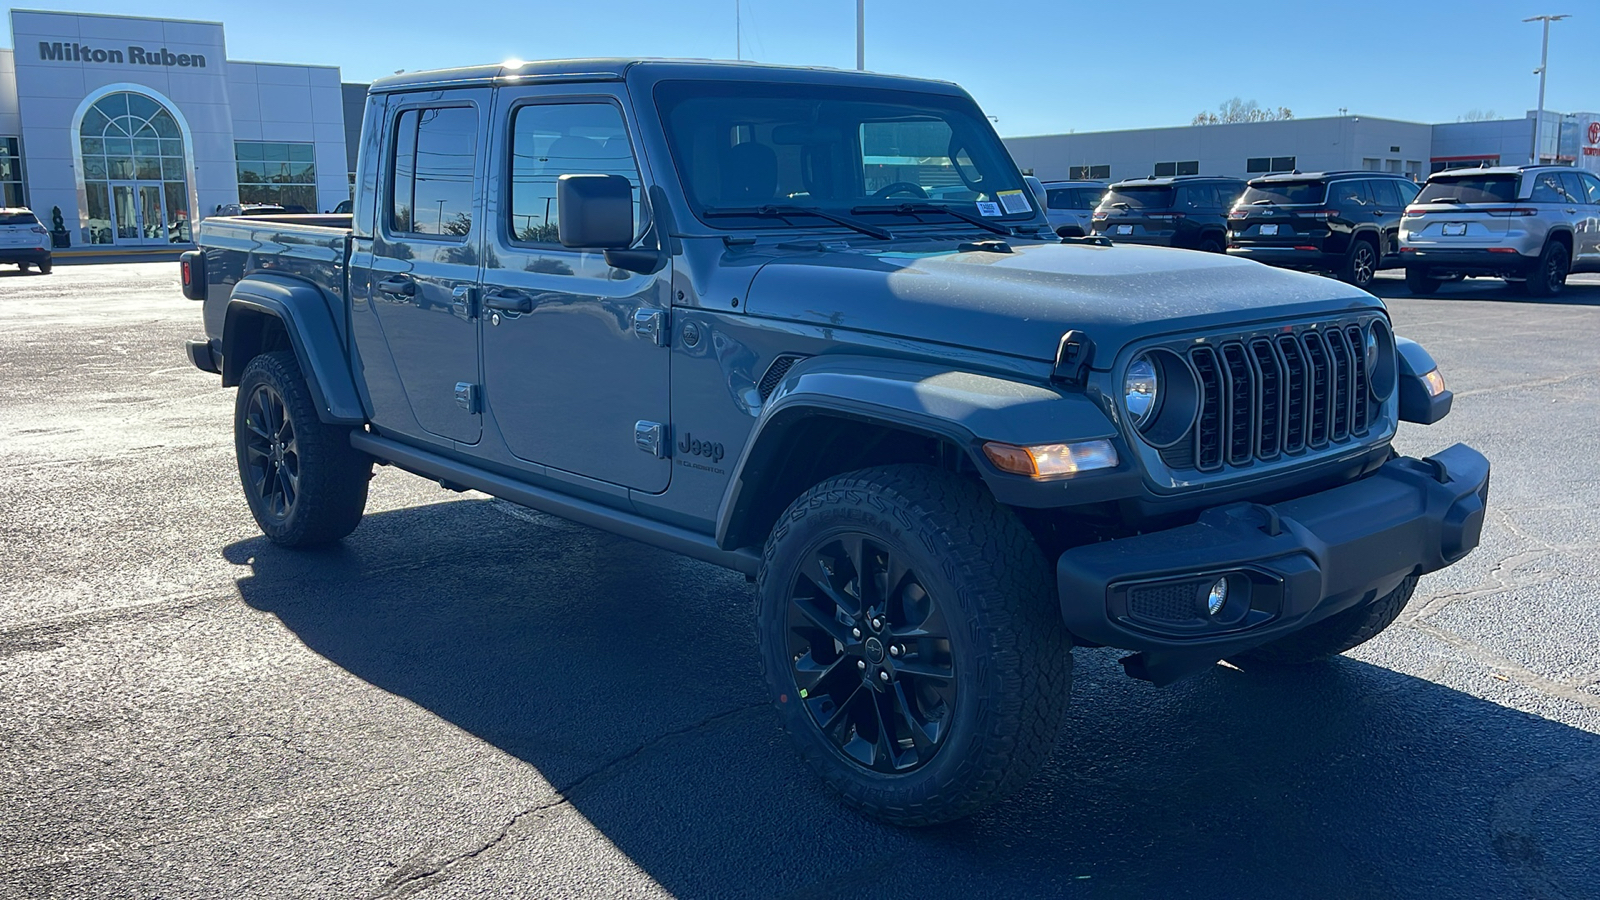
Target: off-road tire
[[1421, 282], [1337, 633], [1360, 264], [1549, 275], [1010, 650], [332, 476]]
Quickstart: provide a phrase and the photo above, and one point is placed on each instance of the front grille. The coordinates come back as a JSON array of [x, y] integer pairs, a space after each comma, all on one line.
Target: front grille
[[1263, 397], [1168, 602]]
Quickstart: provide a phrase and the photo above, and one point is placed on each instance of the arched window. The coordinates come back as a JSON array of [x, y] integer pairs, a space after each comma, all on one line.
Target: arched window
[[134, 173]]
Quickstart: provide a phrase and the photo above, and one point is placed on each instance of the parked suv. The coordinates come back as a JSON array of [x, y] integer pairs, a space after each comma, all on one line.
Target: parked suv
[[23, 241], [1189, 211], [1344, 223], [1530, 225], [701, 305], [1070, 205]]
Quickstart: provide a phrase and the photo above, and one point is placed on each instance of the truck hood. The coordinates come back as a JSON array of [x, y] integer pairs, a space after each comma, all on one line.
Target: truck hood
[[1020, 303]]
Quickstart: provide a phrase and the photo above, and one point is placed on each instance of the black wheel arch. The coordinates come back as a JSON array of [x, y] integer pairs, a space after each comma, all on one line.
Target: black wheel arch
[[274, 312]]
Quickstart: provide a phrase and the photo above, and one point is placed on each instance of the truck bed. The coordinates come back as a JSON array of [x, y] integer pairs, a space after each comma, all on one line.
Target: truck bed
[[315, 248]]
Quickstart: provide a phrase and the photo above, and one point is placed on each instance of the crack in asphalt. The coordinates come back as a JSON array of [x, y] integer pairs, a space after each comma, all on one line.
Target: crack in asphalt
[[412, 879]]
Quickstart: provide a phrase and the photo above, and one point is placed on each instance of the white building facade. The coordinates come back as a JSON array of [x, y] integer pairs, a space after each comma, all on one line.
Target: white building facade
[[134, 129], [1309, 145]]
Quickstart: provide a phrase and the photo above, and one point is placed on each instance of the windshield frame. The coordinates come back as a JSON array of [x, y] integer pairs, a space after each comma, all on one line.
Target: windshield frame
[[985, 150]]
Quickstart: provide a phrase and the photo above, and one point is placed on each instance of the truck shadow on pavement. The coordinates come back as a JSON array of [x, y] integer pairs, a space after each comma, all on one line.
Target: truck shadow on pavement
[[626, 676]]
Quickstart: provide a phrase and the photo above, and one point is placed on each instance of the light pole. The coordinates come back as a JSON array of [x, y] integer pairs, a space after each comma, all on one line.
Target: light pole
[[1544, 56], [861, 35]]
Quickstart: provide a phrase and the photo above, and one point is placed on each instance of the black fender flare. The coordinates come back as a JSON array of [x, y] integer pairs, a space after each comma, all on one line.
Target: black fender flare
[[305, 313], [963, 408]]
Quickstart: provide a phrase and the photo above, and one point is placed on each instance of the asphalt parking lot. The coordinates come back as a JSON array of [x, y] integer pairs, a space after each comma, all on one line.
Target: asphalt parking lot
[[470, 699]]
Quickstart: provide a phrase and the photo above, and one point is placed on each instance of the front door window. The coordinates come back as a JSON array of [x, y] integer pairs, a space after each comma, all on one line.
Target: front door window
[[135, 176]]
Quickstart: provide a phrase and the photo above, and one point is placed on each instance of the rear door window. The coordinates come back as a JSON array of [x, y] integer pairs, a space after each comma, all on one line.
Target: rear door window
[[1283, 193], [1349, 195], [1572, 186], [1470, 189], [432, 178], [1073, 198], [1387, 194]]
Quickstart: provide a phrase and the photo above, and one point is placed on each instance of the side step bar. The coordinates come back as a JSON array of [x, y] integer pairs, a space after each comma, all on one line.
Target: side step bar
[[703, 547]]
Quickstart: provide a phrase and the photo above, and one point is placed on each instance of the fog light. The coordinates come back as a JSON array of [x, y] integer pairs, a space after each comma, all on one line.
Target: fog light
[[1218, 597]]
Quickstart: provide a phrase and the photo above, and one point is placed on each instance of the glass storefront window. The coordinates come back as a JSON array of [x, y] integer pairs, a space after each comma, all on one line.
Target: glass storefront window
[[136, 187], [11, 172], [278, 173]]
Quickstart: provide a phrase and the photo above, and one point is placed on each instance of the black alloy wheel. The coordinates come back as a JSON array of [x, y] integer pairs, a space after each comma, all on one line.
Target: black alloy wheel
[[871, 654], [306, 486], [1549, 276], [1362, 265], [272, 453]]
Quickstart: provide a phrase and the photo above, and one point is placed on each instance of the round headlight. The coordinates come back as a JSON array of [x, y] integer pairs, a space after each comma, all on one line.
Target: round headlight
[[1139, 389]]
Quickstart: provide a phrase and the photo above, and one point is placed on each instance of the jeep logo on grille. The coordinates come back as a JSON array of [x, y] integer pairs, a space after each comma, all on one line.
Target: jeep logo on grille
[[694, 446]]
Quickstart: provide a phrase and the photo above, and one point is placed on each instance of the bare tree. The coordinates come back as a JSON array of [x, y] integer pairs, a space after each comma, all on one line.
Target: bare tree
[[1239, 110]]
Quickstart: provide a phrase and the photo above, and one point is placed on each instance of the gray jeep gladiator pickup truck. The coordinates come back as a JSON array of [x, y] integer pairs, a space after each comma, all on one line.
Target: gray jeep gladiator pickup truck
[[812, 326]]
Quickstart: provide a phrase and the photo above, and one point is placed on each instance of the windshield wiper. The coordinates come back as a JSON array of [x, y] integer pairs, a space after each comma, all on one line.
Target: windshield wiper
[[911, 209], [785, 210]]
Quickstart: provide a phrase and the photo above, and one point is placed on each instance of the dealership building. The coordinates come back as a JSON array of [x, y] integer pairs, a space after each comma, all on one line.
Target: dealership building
[[1309, 145], [135, 128]]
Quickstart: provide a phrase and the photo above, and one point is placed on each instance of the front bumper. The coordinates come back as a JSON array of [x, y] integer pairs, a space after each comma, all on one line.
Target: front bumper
[[1287, 565], [1469, 262]]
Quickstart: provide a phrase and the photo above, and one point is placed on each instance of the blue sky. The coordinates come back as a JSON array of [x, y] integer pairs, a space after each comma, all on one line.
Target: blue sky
[[1040, 67]]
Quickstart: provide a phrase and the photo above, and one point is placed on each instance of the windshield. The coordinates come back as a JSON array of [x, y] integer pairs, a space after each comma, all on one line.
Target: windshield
[[1074, 198], [1283, 193], [1470, 189], [848, 150], [1138, 197]]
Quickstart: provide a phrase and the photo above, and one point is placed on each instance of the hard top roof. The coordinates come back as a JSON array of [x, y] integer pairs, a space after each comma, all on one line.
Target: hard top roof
[[1170, 180], [1319, 176], [569, 70]]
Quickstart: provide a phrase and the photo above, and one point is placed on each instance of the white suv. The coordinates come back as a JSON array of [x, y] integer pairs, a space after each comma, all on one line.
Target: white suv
[[23, 240]]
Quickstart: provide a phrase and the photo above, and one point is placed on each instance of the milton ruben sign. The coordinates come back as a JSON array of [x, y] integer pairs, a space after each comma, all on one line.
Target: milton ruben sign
[[137, 56]]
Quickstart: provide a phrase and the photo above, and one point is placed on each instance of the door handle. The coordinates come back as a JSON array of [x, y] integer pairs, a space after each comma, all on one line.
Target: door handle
[[508, 301], [399, 285]]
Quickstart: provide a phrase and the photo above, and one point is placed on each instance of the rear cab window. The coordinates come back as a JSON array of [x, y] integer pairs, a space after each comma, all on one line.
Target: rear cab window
[[1501, 188], [1284, 193]]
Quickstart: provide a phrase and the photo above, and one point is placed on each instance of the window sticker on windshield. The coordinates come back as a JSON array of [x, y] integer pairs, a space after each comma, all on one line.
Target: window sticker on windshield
[[988, 208], [1013, 201]]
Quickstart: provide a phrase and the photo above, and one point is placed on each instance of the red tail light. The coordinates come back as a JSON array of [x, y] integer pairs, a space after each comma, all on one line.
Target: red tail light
[[1509, 211], [38, 229], [1238, 214], [1416, 211], [188, 277], [1502, 249]]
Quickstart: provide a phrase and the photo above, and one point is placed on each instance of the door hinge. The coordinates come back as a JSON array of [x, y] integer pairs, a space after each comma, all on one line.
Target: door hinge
[[467, 397], [651, 324], [651, 438]]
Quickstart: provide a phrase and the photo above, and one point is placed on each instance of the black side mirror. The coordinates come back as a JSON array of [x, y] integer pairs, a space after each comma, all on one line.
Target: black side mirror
[[596, 211]]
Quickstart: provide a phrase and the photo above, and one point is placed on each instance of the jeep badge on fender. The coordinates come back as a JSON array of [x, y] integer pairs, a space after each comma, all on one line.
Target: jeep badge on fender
[[935, 486], [697, 447]]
